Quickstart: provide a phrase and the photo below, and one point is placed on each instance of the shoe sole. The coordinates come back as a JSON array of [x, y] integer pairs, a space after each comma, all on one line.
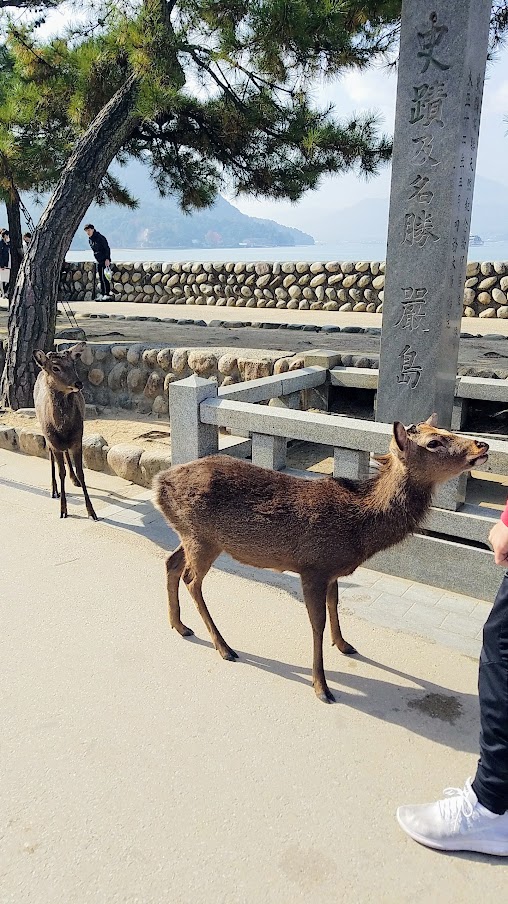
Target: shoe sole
[[478, 849]]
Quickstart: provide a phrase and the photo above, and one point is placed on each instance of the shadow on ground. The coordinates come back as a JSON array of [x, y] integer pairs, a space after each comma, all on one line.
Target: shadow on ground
[[427, 709]]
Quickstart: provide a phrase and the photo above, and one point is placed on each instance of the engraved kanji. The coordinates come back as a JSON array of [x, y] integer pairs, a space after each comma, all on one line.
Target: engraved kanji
[[429, 40], [410, 371], [424, 150], [420, 191], [427, 104], [418, 229], [412, 308]]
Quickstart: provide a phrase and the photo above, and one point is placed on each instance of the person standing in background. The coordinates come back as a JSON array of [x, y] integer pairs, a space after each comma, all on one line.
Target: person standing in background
[[4, 262], [102, 253]]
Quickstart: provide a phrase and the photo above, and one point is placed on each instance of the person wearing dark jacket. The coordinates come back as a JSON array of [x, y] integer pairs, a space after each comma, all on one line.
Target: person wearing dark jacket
[[102, 253], [4, 262]]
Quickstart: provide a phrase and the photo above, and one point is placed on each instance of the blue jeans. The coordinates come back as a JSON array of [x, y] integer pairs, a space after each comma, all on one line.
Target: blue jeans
[[491, 781]]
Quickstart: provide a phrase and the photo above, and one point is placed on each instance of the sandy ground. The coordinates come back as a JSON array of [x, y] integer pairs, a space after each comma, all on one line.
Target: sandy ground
[[141, 429]]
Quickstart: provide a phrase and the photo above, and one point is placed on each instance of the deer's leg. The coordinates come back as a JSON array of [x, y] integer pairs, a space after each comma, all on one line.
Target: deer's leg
[[332, 601], [72, 475], [198, 561], [54, 489], [314, 595], [61, 470], [78, 461], [175, 564]]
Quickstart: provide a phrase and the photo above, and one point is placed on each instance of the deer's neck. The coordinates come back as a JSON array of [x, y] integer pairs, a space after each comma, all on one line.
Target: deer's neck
[[63, 408], [397, 503]]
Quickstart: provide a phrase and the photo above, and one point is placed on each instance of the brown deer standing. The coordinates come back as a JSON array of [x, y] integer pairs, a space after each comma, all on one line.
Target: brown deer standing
[[60, 409], [320, 529]]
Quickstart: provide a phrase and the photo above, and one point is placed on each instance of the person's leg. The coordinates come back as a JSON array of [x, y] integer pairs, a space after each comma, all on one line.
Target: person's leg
[[491, 781], [102, 278], [107, 284], [476, 818]]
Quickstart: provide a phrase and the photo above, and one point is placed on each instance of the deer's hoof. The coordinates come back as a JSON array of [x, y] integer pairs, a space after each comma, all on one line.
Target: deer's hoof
[[347, 649], [183, 630], [63, 514], [94, 517], [55, 494], [325, 696], [228, 654]]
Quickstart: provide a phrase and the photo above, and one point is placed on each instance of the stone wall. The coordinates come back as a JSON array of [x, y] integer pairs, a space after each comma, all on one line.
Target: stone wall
[[332, 286], [137, 376]]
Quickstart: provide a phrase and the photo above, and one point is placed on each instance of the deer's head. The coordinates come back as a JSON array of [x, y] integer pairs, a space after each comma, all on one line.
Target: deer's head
[[433, 455], [60, 368]]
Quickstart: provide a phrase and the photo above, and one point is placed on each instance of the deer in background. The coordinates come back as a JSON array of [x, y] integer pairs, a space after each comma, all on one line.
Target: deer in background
[[60, 409], [320, 529]]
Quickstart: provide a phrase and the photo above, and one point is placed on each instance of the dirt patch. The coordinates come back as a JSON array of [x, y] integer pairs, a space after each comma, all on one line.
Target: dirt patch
[[438, 706], [143, 430]]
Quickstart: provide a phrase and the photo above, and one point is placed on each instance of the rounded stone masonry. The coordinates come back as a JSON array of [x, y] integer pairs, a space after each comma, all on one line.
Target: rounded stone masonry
[[95, 452], [290, 285], [123, 459]]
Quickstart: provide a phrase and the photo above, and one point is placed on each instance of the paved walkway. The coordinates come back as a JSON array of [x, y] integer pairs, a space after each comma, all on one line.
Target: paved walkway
[[268, 315], [138, 767]]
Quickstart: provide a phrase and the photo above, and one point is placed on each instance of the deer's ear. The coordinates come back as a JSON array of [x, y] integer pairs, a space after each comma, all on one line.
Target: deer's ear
[[432, 420], [40, 357], [76, 350], [400, 435]]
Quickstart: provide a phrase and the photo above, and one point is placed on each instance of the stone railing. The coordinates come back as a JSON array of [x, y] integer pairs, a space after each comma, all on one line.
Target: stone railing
[[332, 286]]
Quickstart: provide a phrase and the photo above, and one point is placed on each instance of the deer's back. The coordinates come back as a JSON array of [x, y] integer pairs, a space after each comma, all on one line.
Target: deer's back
[[259, 516]]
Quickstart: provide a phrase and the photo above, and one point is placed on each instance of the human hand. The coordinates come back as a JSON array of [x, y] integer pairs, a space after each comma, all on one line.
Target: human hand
[[107, 263], [498, 539]]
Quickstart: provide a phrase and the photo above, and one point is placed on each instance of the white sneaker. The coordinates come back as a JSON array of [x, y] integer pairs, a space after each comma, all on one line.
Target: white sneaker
[[457, 823], [99, 297]]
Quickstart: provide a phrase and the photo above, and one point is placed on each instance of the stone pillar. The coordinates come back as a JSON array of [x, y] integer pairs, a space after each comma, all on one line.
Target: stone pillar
[[190, 439], [269, 451], [443, 52], [351, 463]]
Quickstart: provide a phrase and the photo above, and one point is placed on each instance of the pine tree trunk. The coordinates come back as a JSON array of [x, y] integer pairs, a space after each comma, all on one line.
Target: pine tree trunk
[[32, 314], [16, 239]]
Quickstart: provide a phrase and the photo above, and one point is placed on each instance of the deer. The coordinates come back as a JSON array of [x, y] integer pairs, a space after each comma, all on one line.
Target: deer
[[60, 410], [320, 529]]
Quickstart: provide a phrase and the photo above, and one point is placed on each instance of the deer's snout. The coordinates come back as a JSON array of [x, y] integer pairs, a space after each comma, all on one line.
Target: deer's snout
[[483, 447], [78, 385]]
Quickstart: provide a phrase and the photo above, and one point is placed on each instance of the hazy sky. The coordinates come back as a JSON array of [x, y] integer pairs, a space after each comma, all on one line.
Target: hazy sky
[[375, 90]]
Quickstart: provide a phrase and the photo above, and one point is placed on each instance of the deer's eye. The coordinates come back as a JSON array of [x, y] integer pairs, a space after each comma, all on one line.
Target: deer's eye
[[56, 369], [434, 444]]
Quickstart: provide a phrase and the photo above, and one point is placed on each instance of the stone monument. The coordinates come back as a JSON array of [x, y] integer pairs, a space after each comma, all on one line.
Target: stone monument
[[443, 52]]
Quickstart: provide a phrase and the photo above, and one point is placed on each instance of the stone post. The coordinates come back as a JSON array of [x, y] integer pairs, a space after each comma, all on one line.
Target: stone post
[[269, 451], [443, 52], [190, 439]]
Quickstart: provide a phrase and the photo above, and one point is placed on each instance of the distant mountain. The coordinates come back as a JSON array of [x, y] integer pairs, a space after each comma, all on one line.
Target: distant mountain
[[159, 222], [368, 219]]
